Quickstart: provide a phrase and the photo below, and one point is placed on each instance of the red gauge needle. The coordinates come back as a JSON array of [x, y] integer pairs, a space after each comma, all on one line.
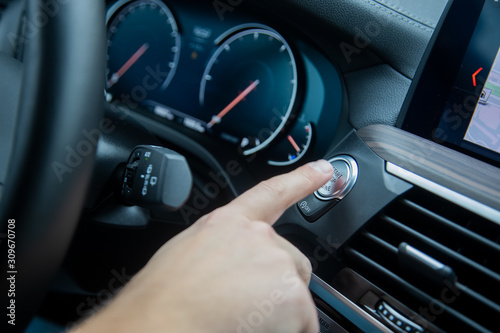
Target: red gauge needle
[[216, 119], [294, 144], [133, 59]]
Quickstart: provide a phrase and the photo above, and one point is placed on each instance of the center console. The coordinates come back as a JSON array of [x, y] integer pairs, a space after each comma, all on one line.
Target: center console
[[405, 237]]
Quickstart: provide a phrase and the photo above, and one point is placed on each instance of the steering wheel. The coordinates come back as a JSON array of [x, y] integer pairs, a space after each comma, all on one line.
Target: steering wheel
[[53, 153]]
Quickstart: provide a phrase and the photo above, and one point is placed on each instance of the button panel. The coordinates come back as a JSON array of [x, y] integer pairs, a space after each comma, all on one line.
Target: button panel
[[397, 320], [345, 174], [312, 208]]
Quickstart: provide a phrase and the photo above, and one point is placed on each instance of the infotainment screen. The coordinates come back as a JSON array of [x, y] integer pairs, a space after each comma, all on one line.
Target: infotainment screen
[[455, 99], [484, 127]]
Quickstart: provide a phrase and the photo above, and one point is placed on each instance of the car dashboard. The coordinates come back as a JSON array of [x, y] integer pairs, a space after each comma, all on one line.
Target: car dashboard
[[245, 90], [271, 93], [229, 77]]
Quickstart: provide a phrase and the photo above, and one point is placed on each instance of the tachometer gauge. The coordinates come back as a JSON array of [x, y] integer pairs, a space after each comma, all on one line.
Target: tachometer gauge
[[143, 49], [294, 146], [249, 88]]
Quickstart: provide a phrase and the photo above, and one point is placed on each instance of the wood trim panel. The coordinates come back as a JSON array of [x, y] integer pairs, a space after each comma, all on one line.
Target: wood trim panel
[[458, 172]]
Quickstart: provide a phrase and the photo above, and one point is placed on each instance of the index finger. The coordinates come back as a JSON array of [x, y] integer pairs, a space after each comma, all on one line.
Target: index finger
[[270, 198]]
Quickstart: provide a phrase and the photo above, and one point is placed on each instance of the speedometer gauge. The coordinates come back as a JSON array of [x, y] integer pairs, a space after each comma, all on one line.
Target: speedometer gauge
[[249, 88], [143, 49]]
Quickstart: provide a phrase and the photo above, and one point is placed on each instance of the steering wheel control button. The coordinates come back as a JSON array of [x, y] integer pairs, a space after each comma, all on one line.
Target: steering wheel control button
[[312, 208], [156, 178], [345, 174]]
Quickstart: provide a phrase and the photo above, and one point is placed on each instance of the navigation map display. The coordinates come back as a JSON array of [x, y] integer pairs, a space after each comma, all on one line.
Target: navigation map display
[[484, 127], [455, 97], [470, 121]]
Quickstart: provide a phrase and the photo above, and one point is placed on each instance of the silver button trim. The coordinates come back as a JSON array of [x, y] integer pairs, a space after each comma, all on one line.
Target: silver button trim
[[351, 178]]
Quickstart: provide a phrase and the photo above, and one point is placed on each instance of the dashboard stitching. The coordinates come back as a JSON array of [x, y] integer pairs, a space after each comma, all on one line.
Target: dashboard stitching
[[399, 16], [401, 10]]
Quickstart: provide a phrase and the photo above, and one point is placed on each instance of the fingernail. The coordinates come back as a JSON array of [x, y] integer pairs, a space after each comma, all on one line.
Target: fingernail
[[322, 166]]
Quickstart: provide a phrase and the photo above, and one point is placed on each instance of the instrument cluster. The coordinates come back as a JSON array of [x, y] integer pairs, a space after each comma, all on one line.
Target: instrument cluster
[[235, 79]]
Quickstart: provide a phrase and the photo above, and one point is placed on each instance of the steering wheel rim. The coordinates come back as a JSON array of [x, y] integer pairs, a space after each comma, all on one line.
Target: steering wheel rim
[[61, 102]]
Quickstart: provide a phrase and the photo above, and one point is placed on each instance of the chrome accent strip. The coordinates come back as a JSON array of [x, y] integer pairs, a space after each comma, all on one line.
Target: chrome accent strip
[[328, 325], [417, 254], [346, 307], [474, 206]]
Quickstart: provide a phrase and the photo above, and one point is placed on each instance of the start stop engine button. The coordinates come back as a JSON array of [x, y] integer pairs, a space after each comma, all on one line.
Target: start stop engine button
[[345, 174]]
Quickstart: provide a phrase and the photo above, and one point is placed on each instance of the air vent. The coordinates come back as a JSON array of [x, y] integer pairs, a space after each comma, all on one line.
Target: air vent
[[445, 234]]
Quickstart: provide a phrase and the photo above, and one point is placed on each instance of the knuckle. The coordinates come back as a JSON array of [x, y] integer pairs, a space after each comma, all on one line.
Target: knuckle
[[306, 266], [274, 187], [213, 218], [283, 257], [307, 177], [261, 229], [300, 298]]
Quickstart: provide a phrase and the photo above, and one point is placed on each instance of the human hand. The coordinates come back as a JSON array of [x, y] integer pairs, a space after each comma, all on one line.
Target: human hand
[[229, 272]]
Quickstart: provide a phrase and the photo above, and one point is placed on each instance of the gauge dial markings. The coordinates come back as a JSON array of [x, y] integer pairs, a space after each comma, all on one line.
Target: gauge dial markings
[[255, 52], [142, 36]]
